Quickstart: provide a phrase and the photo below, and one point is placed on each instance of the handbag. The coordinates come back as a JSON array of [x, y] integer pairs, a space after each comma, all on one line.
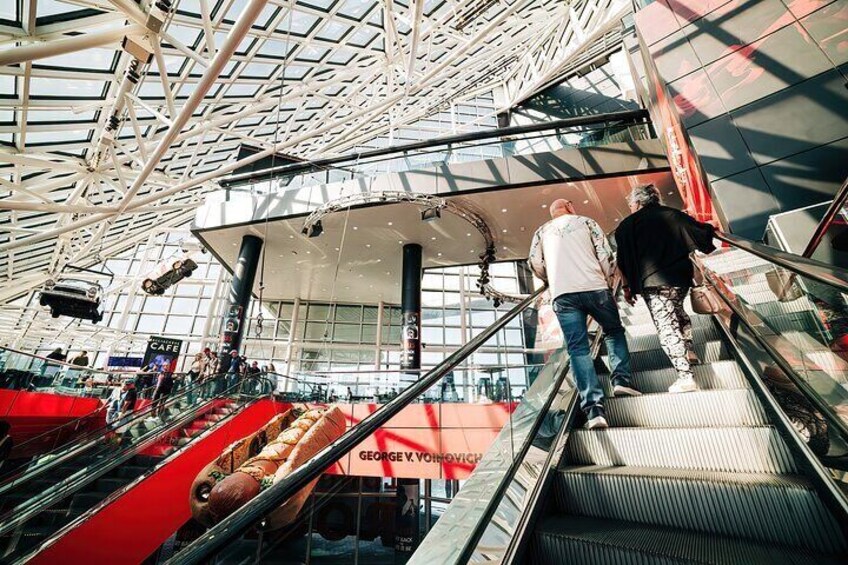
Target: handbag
[[783, 285], [705, 300]]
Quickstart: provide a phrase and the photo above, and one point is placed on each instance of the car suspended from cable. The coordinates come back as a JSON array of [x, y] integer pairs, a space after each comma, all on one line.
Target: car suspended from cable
[[76, 298], [171, 271]]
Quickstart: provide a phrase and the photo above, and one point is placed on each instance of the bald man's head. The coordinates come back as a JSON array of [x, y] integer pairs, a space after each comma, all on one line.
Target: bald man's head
[[561, 207]]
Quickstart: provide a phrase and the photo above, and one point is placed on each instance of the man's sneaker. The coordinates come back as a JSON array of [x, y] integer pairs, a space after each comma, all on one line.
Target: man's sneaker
[[621, 390], [683, 385], [597, 423]]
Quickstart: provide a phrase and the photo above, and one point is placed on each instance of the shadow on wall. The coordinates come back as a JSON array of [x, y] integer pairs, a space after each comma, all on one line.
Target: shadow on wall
[[760, 87]]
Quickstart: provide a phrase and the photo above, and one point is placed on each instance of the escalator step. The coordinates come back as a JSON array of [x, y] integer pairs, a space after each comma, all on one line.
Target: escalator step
[[643, 337], [721, 375], [129, 471], [709, 352], [781, 509], [577, 539], [702, 409], [109, 485], [745, 450]]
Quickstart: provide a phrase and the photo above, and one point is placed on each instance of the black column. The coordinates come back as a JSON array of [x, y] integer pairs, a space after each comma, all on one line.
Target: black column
[[410, 305], [233, 324], [408, 490]]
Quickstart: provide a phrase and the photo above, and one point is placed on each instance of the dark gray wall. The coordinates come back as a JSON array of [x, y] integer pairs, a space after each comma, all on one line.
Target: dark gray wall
[[761, 88]]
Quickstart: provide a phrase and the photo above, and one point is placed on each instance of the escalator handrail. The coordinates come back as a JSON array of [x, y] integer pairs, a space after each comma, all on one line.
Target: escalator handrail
[[473, 540], [800, 383], [69, 365], [15, 516], [243, 518], [833, 496], [88, 440], [803, 266]]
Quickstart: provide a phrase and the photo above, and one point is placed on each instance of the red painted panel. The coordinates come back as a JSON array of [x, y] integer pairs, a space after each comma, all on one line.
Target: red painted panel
[[31, 414], [134, 525]]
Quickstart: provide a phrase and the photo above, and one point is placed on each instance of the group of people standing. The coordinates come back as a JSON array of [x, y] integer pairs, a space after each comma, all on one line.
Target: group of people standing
[[223, 373], [654, 246]]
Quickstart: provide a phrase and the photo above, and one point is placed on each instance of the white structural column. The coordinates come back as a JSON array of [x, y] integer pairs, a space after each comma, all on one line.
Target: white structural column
[[290, 348], [56, 47], [210, 77]]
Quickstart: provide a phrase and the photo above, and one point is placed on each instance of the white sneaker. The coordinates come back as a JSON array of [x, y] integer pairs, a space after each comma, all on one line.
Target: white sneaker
[[693, 358], [598, 422], [683, 385], [620, 390]]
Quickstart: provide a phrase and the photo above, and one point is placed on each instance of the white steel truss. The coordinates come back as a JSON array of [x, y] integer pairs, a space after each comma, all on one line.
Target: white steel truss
[[100, 142]]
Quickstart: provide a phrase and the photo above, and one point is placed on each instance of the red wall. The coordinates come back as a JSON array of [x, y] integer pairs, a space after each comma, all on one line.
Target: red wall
[[32, 413], [134, 525]]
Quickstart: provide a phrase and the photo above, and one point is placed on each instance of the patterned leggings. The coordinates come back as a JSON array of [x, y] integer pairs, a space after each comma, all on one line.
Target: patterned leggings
[[673, 325]]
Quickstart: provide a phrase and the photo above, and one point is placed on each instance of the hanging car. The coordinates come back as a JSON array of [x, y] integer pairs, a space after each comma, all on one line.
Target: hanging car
[[167, 273], [75, 298]]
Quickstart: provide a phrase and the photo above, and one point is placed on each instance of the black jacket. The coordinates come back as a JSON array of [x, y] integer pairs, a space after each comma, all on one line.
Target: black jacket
[[654, 244]]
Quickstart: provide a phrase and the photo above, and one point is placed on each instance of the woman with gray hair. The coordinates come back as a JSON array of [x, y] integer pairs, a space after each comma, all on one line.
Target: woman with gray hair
[[654, 247]]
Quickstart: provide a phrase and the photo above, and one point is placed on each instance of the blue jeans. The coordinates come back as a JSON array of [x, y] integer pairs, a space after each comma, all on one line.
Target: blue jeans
[[572, 310]]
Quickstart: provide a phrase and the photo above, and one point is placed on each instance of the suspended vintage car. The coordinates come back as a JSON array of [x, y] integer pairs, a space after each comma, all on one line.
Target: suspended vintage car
[[75, 298], [171, 271]]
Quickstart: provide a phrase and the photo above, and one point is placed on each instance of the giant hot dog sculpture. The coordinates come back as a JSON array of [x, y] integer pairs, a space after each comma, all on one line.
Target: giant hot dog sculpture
[[311, 431]]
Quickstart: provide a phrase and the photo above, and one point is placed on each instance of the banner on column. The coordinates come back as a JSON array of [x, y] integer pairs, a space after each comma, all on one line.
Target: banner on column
[[406, 518], [162, 353], [232, 329], [410, 357]]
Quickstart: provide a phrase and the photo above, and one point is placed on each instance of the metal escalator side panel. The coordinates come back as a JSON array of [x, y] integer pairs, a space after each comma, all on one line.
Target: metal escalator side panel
[[538, 419]]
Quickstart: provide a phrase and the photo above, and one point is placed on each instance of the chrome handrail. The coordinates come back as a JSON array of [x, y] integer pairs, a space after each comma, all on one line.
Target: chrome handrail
[[68, 365], [244, 518], [803, 266]]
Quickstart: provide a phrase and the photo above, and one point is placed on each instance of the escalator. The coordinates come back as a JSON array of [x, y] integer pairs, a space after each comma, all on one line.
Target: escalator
[[60, 487], [748, 469]]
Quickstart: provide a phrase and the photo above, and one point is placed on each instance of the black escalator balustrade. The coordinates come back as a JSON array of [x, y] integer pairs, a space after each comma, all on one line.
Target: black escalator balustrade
[[39, 507], [695, 477]]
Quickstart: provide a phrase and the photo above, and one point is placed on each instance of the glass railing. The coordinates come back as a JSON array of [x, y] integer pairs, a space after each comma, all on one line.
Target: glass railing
[[413, 388], [800, 319], [479, 384], [30, 501], [26, 371], [588, 131]]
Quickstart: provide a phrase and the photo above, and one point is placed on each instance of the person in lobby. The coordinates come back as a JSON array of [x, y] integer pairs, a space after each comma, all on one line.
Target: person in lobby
[[81, 360], [655, 244], [572, 254], [235, 368]]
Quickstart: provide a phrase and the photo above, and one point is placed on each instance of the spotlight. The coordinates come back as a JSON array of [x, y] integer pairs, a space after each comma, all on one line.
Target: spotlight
[[313, 230], [431, 214]]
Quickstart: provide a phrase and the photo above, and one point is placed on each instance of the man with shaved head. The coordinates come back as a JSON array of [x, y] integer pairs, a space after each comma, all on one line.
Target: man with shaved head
[[572, 254]]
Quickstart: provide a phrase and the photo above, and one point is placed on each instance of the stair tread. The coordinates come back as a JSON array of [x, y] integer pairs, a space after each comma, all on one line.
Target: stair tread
[[702, 408], [670, 543], [747, 479]]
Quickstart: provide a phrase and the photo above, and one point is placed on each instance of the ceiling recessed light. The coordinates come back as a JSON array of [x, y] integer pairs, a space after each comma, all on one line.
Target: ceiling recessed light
[[360, 276], [291, 237], [503, 210], [368, 245], [347, 288], [544, 205], [522, 228], [391, 224], [433, 238], [504, 230], [400, 242], [356, 228], [234, 244], [379, 260], [281, 255], [440, 254], [388, 272], [585, 202], [308, 252], [337, 248]]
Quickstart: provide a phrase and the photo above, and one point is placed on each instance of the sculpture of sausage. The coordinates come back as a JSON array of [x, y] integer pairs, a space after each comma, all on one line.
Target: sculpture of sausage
[[232, 458], [307, 435]]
